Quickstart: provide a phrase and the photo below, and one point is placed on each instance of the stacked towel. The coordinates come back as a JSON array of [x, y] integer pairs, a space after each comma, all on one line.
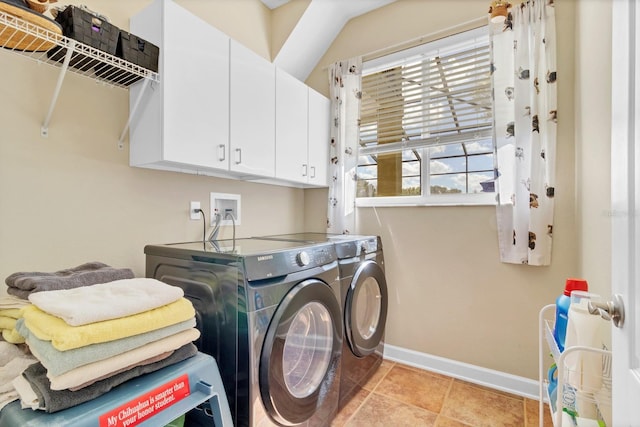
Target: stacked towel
[[66, 337], [106, 301], [88, 335], [10, 311], [13, 360], [42, 397], [58, 362], [22, 284]]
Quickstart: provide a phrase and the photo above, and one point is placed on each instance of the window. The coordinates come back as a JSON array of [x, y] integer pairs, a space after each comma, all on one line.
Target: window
[[426, 125]]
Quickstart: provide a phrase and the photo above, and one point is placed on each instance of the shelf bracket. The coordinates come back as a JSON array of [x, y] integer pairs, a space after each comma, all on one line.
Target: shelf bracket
[[145, 85], [44, 130]]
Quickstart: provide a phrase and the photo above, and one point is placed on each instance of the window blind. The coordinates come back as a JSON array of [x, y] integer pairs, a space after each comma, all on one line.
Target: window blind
[[434, 95]]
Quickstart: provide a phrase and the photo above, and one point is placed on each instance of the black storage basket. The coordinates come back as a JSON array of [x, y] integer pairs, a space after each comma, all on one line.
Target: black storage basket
[[135, 50], [91, 30]]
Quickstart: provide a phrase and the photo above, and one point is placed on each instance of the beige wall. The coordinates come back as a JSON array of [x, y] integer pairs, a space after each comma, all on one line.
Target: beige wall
[[593, 141], [72, 198], [449, 294]]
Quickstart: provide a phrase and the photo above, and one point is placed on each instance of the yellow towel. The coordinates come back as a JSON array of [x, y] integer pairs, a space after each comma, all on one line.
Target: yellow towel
[[12, 336], [7, 322], [64, 337], [14, 313]]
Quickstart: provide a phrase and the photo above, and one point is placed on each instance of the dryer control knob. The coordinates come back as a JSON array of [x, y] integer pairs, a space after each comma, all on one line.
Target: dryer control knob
[[303, 259], [364, 247]]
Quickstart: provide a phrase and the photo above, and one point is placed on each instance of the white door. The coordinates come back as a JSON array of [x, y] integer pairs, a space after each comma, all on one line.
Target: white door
[[625, 197]]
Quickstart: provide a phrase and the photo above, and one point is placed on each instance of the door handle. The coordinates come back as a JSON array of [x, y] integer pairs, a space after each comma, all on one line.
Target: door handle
[[238, 156], [610, 310], [304, 170], [221, 152], [313, 171]]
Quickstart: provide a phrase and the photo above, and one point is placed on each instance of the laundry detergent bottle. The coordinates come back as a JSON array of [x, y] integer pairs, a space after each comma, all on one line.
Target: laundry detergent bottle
[[562, 309]]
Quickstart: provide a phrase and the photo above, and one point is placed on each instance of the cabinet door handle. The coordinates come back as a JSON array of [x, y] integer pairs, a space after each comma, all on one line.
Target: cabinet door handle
[[304, 170], [238, 156], [222, 154], [313, 171]]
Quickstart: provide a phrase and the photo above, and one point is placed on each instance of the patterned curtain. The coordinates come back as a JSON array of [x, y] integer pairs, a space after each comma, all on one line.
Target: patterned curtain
[[345, 78], [525, 121]]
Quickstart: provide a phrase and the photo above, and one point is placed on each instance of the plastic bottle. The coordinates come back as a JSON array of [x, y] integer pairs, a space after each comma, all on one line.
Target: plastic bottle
[[562, 309], [584, 368]]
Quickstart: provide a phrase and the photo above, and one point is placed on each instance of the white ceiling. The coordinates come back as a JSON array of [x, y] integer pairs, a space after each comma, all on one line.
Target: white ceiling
[[321, 22]]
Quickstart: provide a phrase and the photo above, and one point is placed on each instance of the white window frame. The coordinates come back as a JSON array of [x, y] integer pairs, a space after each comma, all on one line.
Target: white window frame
[[453, 199]]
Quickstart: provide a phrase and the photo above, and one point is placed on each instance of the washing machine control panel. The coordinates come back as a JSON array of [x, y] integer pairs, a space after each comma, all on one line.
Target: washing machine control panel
[[303, 259], [280, 263]]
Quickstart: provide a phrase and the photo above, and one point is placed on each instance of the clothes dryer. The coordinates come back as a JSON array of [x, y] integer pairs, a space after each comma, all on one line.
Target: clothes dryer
[[364, 301], [269, 312]]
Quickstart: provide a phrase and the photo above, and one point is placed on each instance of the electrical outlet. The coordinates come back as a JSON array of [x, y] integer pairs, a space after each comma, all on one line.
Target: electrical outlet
[[194, 210]]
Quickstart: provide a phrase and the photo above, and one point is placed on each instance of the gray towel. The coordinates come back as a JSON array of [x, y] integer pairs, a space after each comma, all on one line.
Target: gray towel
[[91, 273], [57, 400]]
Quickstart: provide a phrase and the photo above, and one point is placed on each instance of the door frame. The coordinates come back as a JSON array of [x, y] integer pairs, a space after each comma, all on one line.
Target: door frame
[[625, 196]]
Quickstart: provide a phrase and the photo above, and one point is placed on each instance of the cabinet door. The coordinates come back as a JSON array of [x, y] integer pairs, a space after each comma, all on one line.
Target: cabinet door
[[319, 138], [291, 128], [252, 109], [195, 81]]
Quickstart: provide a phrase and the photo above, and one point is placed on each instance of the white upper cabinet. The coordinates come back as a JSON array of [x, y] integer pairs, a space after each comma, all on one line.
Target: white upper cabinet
[[183, 122], [252, 112], [292, 118], [319, 138], [302, 132], [218, 110]]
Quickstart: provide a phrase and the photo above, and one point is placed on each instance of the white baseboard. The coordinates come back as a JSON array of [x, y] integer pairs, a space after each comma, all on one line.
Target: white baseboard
[[509, 383]]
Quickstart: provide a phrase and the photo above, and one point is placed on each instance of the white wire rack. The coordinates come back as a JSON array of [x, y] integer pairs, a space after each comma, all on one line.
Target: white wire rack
[[47, 47], [566, 397]]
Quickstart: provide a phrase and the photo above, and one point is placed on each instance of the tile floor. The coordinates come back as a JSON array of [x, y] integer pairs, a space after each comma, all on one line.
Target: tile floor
[[399, 395]]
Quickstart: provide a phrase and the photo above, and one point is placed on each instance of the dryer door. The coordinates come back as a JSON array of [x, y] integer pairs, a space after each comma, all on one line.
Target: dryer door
[[301, 353], [365, 311]]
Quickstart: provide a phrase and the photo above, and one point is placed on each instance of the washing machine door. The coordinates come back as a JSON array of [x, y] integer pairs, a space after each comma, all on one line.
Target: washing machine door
[[365, 311], [301, 353]]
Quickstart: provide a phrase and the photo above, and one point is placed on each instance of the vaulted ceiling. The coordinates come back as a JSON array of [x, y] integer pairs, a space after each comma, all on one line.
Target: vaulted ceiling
[[320, 24]]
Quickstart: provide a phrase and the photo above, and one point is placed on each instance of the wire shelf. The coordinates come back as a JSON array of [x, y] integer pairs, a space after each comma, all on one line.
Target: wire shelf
[[588, 394], [39, 43]]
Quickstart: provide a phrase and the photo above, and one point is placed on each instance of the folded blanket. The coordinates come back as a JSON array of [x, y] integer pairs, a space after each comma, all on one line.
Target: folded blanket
[[16, 362], [58, 362], [64, 337], [7, 397], [21, 284], [9, 351], [10, 301], [105, 301], [28, 398], [57, 400]]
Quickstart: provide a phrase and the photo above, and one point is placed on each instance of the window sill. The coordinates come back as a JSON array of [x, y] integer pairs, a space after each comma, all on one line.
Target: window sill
[[480, 199]]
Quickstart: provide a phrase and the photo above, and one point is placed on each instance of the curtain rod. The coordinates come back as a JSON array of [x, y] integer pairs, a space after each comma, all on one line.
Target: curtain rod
[[468, 25]]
